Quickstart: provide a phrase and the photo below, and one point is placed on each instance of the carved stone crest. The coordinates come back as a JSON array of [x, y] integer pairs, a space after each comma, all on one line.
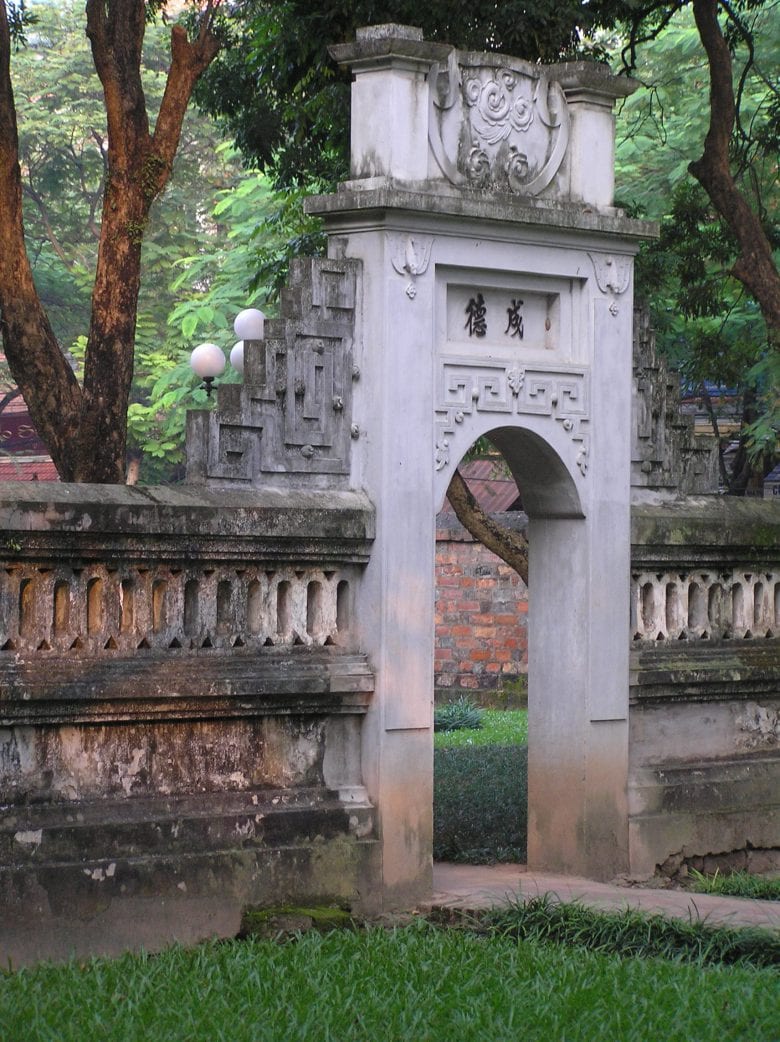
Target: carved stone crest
[[411, 256], [502, 126]]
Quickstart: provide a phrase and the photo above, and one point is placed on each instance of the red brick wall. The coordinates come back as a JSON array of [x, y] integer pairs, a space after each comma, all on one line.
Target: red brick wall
[[481, 612]]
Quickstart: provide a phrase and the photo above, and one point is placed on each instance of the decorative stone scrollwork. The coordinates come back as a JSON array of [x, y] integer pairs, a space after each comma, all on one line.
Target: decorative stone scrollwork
[[411, 256], [466, 387], [613, 276], [503, 126]]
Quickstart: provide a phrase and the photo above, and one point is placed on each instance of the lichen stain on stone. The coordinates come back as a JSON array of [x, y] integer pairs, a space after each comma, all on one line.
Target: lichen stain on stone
[[294, 750], [128, 772], [759, 726], [31, 838], [10, 760]]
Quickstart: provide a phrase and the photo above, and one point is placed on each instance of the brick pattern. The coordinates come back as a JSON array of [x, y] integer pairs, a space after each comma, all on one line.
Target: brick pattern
[[481, 614]]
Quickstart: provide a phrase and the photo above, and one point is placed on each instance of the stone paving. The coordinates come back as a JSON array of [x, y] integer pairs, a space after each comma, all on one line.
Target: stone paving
[[483, 886]]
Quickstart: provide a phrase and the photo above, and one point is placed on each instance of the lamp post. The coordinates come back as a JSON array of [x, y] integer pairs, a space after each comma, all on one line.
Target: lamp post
[[208, 360]]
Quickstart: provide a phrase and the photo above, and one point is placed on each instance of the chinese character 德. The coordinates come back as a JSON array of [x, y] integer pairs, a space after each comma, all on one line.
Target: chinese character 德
[[475, 316], [514, 320]]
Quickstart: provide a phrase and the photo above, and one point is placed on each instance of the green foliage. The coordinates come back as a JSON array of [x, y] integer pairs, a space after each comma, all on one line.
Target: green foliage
[[63, 142], [480, 803], [498, 727], [737, 884], [462, 714], [705, 323], [285, 102], [634, 934], [418, 983]]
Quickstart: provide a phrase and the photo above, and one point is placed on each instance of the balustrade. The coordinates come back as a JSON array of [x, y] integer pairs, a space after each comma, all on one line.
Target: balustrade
[[98, 609], [705, 605]]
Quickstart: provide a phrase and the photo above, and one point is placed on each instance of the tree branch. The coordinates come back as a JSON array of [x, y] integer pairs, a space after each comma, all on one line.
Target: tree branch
[[755, 266], [511, 547], [49, 232], [39, 368]]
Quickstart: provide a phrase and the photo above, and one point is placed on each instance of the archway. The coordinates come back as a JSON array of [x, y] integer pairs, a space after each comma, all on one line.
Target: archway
[[556, 525]]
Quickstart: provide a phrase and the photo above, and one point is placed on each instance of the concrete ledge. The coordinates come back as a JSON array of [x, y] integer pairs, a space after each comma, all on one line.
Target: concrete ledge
[[706, 531], [705, 671], [79, 909], [184, 521], [373, 196], [182, 685]]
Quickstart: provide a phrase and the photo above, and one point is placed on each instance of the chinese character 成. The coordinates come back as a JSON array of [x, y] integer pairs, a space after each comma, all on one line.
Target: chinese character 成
[[514, 320]]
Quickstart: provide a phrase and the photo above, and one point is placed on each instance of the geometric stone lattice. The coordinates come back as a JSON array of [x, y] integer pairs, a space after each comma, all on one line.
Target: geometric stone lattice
[[666, 452], [705, 605], [472, 386], [292, 415]]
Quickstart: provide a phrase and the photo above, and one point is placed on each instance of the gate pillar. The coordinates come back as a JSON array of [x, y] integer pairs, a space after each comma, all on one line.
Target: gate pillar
[[497, 300]]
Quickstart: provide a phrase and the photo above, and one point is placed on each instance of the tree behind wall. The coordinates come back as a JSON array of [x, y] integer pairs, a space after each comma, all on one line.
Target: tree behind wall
[[707, 324], [281, 97], [84, 425]]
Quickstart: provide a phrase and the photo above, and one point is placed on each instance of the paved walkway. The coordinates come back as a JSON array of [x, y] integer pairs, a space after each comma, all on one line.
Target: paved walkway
[[484, 886]]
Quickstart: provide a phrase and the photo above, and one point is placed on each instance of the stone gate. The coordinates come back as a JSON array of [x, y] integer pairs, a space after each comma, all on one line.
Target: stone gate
[[221, 694]]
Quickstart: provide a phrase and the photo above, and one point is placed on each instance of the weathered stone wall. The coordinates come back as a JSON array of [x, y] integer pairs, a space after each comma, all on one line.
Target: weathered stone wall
[[481, 616], [181, 704], [704, 774]]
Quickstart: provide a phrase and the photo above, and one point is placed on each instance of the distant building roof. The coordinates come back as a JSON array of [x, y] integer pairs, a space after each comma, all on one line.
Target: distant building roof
[[491, 485], [27, 468]]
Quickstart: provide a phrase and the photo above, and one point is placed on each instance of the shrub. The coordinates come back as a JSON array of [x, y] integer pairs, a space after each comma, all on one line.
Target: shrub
[[457, 716], [480, 804]]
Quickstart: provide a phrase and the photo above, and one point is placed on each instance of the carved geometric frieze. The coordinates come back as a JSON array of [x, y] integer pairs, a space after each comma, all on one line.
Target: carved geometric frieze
[[497, 126], [469, 387], [293, 414]]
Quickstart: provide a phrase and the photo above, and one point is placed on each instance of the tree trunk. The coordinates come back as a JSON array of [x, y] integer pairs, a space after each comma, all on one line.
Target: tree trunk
[[755, 267], [36, 362], [511, 547], [85, 428]]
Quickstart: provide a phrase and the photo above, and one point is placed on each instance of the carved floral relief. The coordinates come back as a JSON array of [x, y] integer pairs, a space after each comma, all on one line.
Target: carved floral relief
[[499, 127]]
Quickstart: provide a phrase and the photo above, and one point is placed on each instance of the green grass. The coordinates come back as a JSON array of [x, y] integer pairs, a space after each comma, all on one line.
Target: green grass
[[480, 803], [417, 984], [499, 727], [737, 884], [632, 933]]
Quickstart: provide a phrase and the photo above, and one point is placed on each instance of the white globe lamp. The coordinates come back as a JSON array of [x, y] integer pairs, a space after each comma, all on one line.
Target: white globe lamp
[[237, 356], [208, 362], [249, 324]]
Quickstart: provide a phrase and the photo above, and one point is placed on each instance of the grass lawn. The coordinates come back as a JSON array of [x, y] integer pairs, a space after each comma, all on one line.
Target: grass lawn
[[416, 984], [737, 884], [499, 727]]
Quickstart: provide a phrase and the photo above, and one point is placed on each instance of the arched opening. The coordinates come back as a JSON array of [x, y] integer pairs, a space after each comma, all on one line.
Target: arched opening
[[482, 612]]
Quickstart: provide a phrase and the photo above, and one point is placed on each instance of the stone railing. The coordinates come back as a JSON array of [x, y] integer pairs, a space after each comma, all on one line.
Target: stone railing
[[181, 709], [705, 568], [101, 588], [705, 605], [704, 721], [56, 607]]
